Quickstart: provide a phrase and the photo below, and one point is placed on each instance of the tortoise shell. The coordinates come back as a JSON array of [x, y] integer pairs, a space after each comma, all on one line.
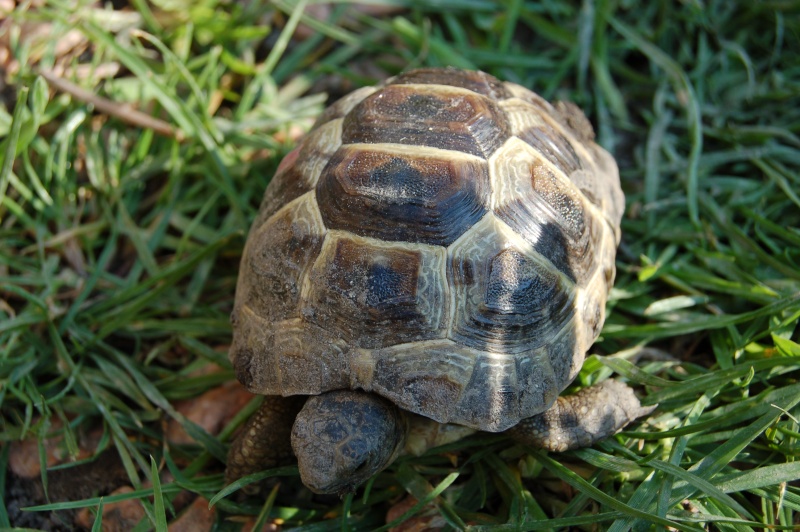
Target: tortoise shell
[[444, 240]]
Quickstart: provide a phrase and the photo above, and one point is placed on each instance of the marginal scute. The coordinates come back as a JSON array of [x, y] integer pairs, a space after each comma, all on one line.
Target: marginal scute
[[592, 299], [507, 300], [543, 207], [610, 198], [491, 395], [572, 117], [422, 377], [289, 357], [442, 117], [375, 293], [496, 398], [310, 360], [538, 379], [251, 354], [395, 193], [452, 383], [299, 171], [565, 352]]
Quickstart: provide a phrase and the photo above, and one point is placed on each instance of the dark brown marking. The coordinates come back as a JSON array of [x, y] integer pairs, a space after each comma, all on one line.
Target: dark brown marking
[[512, 291], [402, 198], [476, 81], [370, 295], [241, 366], [609, 272], [433, 116], [594, 315], [517, 304], [466, 274], [546, 237], [381, 282]]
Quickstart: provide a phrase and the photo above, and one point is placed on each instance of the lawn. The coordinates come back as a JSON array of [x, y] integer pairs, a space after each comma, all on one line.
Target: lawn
[[137, 139]]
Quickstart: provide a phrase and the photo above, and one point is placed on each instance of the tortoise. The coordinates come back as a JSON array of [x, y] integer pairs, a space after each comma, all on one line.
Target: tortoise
[[432, 260]]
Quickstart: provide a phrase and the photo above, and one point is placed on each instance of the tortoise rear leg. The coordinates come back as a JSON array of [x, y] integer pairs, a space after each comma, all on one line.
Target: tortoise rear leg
[[265, 440], [580, 420]]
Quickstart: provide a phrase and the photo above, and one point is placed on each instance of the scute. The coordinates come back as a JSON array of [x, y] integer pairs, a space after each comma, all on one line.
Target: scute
[[566, 352], [507, 300], [452, 383], [288, 357], [543, 133], [543, 207], [401, 194], [592, 302], [604, 193], [503, 390], [422, 377], [438, 116], [276, 257], [375, 293]]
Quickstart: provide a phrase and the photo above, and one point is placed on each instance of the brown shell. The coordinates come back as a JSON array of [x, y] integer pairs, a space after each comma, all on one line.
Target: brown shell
[[445, 240]]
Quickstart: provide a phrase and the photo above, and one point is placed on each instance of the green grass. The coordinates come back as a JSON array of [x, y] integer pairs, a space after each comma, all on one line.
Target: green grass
[[119, 245]]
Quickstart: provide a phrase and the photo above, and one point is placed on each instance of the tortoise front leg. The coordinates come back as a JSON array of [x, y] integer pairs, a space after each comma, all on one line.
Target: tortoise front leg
[[265, 440], [580, 420]]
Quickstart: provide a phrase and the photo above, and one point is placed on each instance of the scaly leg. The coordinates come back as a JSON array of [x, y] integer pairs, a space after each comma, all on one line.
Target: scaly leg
[[265, 440], [580, 420]]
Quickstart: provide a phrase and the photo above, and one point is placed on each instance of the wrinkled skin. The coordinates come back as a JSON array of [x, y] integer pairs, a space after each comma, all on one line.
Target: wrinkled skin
[[343, 438]]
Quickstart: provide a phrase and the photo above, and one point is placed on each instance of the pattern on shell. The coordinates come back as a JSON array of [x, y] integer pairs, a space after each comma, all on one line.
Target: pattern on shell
[[445, 240]]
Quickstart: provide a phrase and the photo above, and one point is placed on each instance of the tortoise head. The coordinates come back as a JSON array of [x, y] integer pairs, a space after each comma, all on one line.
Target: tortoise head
[[342, 438]]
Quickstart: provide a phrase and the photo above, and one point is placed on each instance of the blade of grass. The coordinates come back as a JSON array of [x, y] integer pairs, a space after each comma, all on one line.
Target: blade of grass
[[252, 479], [704, 323], [160, 522], [250, 93], [10, 148], [583, 486], [421, 503], [685, 91]]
